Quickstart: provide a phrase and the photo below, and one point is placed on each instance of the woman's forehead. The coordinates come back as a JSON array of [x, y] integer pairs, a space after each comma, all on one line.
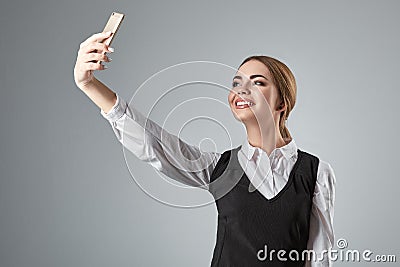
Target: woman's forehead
[[253, 67]]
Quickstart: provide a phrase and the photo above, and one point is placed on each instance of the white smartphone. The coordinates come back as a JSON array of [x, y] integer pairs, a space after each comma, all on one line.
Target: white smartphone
[[112, 25]]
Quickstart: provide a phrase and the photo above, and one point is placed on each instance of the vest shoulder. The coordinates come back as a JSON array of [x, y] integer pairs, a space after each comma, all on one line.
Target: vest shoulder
[[309, 155], [227, 153], [309, 162], [224, 160]]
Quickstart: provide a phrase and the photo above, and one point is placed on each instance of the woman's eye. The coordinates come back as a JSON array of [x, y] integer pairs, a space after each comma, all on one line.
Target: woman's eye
[[258, 83], [234, 84]]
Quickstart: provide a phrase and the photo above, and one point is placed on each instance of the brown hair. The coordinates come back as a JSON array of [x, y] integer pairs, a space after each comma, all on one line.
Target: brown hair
[[285, 82]]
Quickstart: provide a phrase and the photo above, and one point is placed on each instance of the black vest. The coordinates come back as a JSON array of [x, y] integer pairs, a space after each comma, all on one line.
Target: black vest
[[248, 222]]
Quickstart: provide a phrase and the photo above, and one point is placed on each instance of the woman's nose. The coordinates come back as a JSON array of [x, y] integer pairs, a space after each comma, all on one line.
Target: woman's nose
[[244, 90]]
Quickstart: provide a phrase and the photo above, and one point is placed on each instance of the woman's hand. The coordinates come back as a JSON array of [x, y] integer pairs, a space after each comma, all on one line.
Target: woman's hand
[[91, 51]]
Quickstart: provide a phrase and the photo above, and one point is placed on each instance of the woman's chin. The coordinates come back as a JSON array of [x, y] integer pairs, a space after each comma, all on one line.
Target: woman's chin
[[244, 118]]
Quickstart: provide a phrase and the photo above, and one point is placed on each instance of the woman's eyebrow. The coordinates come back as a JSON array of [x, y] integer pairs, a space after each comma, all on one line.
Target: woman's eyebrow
[[251, 77]]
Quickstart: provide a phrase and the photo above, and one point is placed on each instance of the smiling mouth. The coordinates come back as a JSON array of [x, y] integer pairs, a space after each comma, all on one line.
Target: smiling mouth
[[243, 103]]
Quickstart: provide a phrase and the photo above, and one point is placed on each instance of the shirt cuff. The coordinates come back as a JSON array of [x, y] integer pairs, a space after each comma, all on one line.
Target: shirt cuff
[[116, 111]]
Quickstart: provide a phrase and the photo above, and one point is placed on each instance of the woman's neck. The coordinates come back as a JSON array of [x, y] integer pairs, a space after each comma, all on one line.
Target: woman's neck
[[266, 138]]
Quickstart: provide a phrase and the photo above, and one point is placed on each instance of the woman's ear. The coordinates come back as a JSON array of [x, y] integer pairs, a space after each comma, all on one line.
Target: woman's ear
[[281, 106]]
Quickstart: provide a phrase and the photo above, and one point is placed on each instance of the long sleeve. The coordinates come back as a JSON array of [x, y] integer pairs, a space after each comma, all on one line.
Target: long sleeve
[[164, 151], [321, 235]]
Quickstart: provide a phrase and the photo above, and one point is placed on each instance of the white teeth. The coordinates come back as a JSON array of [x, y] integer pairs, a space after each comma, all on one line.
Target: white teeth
[[241, 103]]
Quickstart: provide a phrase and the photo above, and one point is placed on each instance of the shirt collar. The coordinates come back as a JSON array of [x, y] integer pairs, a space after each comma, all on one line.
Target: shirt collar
[[287, 150]]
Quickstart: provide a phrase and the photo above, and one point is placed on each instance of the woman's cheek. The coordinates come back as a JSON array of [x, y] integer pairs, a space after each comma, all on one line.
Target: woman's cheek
[[261, 101], [262, 108], [231, 95]]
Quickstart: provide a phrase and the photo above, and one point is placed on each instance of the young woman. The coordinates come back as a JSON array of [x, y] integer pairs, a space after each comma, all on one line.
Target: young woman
[[280, 203]]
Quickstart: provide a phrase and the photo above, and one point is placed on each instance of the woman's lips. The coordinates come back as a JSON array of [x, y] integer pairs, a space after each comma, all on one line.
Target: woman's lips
[[242, 103]]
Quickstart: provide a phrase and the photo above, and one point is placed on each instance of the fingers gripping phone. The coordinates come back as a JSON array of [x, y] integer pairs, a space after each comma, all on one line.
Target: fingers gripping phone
[[112, 25]]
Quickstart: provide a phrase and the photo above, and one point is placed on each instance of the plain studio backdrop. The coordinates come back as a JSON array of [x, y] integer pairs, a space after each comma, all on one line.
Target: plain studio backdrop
[[67, 197]]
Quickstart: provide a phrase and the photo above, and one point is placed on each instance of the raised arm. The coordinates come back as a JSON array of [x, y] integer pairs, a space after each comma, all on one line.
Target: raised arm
[[142, 136], [163, 150], [91, 51]]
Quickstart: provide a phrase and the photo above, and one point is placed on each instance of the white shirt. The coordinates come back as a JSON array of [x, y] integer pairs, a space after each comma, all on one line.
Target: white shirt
[[153, 144]]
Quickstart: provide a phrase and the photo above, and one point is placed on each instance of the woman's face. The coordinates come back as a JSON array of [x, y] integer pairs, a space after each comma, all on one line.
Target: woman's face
[[254, 97]]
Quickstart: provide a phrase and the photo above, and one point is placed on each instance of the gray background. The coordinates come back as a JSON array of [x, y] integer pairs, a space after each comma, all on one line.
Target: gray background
[[66, 195]]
